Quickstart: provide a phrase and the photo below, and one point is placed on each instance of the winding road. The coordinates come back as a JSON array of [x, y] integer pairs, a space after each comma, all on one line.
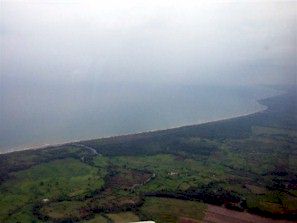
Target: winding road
[[93, 151]]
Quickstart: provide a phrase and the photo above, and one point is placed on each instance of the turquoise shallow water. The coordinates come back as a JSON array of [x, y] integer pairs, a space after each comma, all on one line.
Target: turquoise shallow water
[[33, 115]]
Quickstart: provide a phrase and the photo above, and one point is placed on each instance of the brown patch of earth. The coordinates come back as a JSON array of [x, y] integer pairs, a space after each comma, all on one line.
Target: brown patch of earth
[[180, 158], [112, 202], [188, 220], [216, 214], [129, 179], [256, 189]]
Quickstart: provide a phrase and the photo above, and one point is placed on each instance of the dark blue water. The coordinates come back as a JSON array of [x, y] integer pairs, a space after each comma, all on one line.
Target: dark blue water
[[35, 114]]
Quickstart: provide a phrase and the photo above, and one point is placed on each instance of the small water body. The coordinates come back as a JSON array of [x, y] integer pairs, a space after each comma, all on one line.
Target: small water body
[[38, 114]]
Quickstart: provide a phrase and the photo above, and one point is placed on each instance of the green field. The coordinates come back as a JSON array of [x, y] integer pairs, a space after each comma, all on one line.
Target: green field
[[123, 217], [63, 210], [166, 210], [175, 173], [97, 219], [57, 180]]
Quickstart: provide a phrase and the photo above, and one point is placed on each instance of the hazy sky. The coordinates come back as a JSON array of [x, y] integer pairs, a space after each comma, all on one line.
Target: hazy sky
[[228, 42]]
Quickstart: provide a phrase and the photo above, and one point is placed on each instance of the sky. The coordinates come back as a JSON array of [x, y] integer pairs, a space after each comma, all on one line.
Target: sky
[[189, 42]]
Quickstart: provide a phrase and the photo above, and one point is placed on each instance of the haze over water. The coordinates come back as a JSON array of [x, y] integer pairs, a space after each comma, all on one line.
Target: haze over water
[[81, 69], [42, 114]]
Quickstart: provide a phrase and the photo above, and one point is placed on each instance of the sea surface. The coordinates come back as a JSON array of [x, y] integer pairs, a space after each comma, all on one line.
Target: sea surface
[[36, 114]]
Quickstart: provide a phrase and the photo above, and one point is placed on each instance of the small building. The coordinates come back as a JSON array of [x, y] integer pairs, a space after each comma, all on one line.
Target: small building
[[172, 173], [45, 200]]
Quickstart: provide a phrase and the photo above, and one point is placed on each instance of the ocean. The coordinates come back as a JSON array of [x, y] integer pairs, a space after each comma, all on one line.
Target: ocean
[[34, 114]]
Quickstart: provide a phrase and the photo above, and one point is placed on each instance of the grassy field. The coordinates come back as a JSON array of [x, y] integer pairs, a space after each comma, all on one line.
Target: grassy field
[[56, 180], [175, 173], [63, 210], [123, 217], [97, 219], [22, 215], [166, 210]]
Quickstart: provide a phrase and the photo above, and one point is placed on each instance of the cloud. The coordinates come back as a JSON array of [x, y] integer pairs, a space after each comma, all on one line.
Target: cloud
[[150, 41]]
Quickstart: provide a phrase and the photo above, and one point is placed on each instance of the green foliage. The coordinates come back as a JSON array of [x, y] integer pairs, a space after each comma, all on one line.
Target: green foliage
[[172, 172], [23, 215], [58, 211], [97, 219], [59, 179], [165, 210], [123, 217]]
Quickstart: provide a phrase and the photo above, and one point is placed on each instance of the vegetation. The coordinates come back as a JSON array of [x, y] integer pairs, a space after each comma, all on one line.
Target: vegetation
[[123, 217], [97, 219], [165, 210], [247, 163], [47, 182]]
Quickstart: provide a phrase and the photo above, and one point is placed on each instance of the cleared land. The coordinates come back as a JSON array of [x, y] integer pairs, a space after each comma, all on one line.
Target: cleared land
[[97, 219], [215, 214], [123, 217], [166, 210]]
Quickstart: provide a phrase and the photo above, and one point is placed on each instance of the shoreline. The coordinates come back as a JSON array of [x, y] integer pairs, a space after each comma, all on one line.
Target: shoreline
[[49, 145], [212, 129], [66, 142]]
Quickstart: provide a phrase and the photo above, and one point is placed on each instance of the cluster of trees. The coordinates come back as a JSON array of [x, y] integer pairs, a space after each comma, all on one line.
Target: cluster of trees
[[210, 193], [16, 161]]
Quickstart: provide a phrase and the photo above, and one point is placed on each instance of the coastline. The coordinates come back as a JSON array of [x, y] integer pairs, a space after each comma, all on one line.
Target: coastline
[[49, 145], [214, 131]]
